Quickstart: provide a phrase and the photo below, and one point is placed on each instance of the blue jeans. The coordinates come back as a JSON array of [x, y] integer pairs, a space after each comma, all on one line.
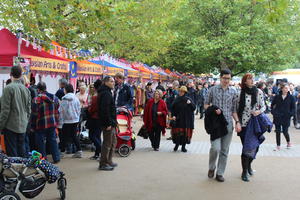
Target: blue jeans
[[95, 136], [47, 136]]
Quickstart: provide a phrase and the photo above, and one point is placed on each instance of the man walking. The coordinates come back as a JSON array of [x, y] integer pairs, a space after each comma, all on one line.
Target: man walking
[[44, 121], [15, 114], [225, 98], [108, 122]]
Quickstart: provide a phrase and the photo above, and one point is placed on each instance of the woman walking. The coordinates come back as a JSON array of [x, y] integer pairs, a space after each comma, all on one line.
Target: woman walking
[[183, 117], [93, 122], [251, 103], [282, 109], [155, 117]]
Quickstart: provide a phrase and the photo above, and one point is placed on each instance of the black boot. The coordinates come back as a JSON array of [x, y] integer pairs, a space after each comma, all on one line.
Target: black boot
[[250, 170], [176, 147], [183, 149], [245, 164]]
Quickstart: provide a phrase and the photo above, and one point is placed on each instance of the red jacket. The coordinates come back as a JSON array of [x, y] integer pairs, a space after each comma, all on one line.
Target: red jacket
[[93, 108], [161, 119]]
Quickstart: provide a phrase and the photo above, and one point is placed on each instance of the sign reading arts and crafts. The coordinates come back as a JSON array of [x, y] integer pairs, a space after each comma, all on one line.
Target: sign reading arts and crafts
[[47, 64], [89, 68]]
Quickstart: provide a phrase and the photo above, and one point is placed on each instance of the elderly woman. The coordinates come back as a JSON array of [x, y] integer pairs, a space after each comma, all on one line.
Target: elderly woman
[[82, 96], [251, 103], [155, 117], [183, 116]]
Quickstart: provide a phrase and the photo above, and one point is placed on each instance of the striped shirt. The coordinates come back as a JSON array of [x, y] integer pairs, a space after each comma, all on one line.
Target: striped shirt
[[225, 99]]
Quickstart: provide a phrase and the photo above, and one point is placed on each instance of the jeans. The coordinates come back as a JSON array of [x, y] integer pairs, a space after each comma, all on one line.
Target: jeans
[[69, 132], [15, 143], [108, 146], [278, 130], [200, 109], [220, 149], [154, 136], [95, 136]]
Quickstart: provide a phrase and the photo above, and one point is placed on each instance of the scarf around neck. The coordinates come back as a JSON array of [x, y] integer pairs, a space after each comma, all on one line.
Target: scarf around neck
[[251, 91]]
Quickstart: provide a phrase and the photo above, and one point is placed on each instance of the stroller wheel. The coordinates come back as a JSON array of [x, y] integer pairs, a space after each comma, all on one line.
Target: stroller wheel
[[9, 196], [61, 186], [124, 150]]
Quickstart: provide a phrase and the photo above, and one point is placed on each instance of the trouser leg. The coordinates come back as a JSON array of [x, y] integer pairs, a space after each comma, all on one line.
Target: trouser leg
[[10, 139], [225, 144]]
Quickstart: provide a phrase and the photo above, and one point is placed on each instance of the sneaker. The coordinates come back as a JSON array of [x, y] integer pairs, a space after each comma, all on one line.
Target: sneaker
[[289, 145], [106, 168], [78, 154], [62, 155], [277, 148], [94, 158], [113, 165]]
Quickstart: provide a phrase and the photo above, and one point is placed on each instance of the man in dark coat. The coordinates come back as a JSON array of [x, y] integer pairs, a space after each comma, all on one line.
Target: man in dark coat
[[108, 122], [122, 93]]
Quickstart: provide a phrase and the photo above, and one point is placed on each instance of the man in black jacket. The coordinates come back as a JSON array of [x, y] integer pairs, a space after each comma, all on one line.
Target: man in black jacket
[[122, 92], [108, 122]]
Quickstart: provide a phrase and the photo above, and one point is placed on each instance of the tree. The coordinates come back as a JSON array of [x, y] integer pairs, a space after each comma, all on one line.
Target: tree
[[238, 35]]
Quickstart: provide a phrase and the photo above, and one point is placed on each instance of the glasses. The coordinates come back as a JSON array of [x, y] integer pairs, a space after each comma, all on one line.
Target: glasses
[[226, 79]]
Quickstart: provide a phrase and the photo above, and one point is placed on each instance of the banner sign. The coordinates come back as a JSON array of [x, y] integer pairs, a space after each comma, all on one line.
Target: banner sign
[[73, 70], [133, 74], [47, 64], [86, 68], [111, 71], [156, 76], [146, 75]]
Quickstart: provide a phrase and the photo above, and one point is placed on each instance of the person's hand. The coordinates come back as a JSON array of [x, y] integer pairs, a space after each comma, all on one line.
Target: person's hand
[[159, 113], [238, 127], [188, 101], [255, 113], [218, 111], [108, 128], [174, 118]]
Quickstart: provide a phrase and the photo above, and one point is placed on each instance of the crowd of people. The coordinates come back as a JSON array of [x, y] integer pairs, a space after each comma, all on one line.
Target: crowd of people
[[31, 118]]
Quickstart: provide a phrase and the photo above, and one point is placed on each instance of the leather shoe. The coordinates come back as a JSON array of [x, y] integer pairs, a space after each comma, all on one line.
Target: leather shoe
[[106, 168], [113, 165], [220, 178], [211, 173]]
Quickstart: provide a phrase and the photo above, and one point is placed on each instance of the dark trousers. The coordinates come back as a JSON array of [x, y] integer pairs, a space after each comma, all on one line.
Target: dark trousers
[[95, 136], [15, 143], [47, 136], [200, 109], [69, 132], [154, 136], [108, 146], [284, 130]]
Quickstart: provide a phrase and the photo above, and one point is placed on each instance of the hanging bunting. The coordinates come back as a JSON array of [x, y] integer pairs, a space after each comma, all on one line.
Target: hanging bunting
[[34, 43], [39, 45]]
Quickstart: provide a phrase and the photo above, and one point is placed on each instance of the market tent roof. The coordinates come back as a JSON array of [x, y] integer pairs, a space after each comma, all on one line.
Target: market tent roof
[[9, 49], [108, 64]]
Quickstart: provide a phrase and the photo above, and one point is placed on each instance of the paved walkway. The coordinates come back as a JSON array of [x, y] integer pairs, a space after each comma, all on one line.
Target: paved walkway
[[165, 175]]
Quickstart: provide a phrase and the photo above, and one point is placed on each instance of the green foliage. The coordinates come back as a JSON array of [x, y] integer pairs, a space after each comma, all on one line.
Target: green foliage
[[189, 35]]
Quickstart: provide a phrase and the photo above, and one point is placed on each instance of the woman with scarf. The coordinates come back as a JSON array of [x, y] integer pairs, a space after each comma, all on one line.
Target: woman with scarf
[[155, 117], [282, 109], [183, 117], [251, 103]]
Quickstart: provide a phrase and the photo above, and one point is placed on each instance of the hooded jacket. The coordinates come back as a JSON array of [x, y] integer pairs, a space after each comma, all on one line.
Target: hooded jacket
[[69, 109], [44, 111], [106, 103]]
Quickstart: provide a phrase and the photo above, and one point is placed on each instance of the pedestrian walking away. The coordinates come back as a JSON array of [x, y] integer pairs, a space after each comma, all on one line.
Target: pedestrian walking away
[[225, 98], [15, 114], [69, 115], [44, 121], [155, 116]]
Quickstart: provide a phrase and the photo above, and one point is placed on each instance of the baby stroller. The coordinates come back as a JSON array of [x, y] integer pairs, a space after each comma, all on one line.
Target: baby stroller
[[28, 176], [125, 135]]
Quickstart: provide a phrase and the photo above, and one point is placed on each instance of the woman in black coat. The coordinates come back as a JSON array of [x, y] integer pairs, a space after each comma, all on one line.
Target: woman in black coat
[[283, 108], [183, 118]]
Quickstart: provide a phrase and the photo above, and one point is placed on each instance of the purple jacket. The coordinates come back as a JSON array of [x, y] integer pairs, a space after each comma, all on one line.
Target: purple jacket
[[255, 129]]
